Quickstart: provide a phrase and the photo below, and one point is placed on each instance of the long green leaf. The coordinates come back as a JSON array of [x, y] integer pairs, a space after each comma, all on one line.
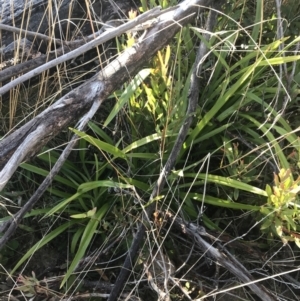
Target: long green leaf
[[105, 183], [43, 172], [223, 203], [227, 182], [257, 28], [43, 242], [62, 204], [85, 240], [129, 91], [144, 141], [103, 146], [279, 60], [100, 132]]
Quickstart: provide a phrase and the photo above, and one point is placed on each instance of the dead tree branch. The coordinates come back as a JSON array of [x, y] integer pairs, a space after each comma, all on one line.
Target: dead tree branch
[[106, 36], [224, 258], [15, 148]]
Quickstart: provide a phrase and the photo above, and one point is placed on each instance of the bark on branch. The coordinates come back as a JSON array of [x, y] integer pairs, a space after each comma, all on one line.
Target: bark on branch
[[16, 148], [56, 18]]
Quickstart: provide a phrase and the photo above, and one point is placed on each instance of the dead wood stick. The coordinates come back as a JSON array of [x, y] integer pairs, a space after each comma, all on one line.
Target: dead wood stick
[[228, 261], [25, 33], [106, 36]]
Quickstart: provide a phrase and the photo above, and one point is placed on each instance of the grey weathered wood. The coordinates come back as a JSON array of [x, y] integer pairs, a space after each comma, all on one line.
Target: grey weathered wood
[[222, 258], [34, 16], [88, 44], [31, 14]]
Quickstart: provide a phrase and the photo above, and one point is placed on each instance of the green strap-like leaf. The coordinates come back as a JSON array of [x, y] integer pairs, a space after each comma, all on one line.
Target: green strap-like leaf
[[103, 146], [43, 242], [86, 240], [129, 91]]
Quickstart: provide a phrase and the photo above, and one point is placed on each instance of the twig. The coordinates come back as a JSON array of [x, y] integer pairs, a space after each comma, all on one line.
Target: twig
[[227, 261], [66, 47], [85, 296], [106, 36], [25, 33]]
